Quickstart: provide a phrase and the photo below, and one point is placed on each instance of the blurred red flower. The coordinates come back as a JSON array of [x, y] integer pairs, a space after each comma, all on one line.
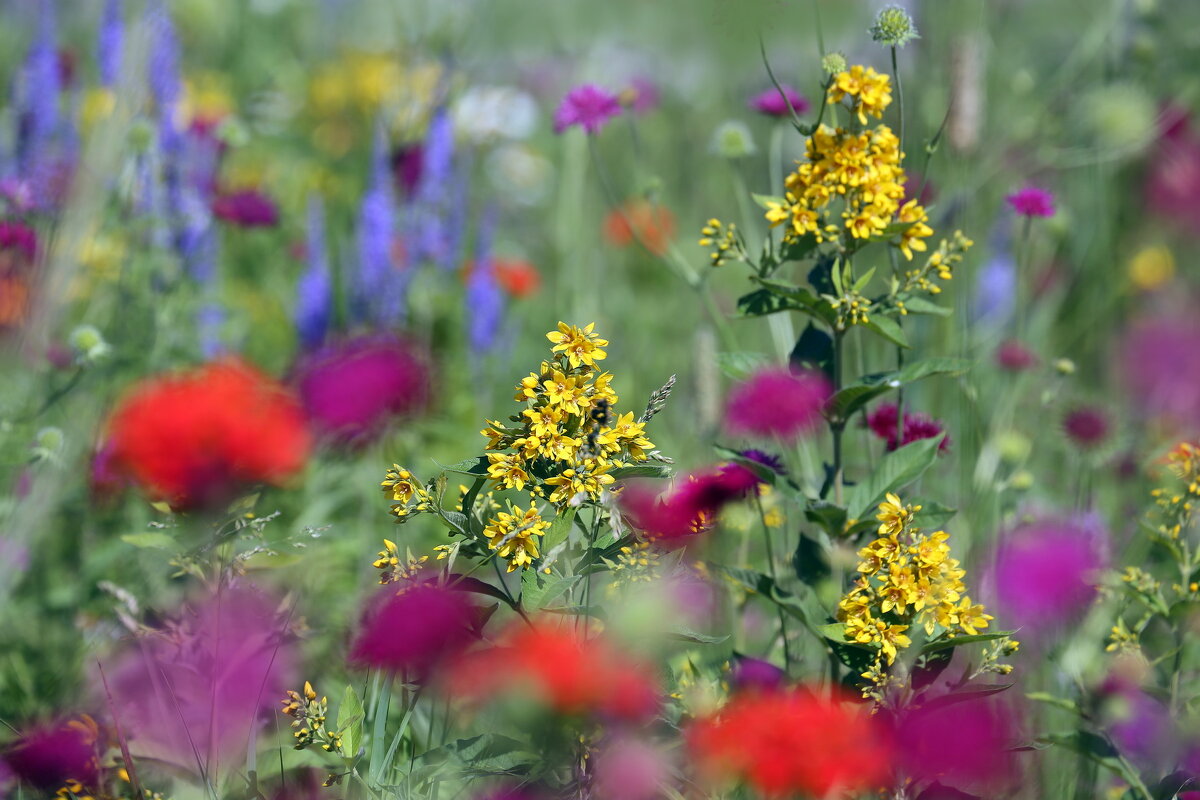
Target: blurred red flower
[[792, 741], [568, 672], [638, 220], [196, 438]]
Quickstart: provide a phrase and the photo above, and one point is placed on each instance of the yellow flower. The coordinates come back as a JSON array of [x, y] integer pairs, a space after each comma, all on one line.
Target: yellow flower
[[586, 481], [400, 484], [506, 470], [564, 392], [1152, 267], [511, 536], [870, 91], [894, 516], [581, 347]]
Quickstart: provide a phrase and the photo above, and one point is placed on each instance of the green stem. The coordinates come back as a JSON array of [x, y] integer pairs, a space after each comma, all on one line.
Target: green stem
[[783, 631], [1024, 265], [838, 427], [899, 97]]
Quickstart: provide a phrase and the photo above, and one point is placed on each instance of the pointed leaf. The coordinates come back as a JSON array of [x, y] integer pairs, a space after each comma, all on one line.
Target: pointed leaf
[[897, 469]]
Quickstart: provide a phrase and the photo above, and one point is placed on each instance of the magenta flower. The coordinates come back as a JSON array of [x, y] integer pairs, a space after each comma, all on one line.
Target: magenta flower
[[248, 208], [1140, 725], [1087, 426], [587, 106], [354, 389], [1014, 356], [777, 402], [414, 627], [626, 768], [19, 240], [1045, 574], [1032, 202], [755, 674], [1160, 360], [772, 103], [1173, 180], [691, 508], [963, 744], [46, 758], [642, 95], [193, 693], [917, 426]]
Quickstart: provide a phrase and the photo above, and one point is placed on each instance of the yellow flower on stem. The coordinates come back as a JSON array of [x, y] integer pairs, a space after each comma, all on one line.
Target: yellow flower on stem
[[511, 535], [580, 346]]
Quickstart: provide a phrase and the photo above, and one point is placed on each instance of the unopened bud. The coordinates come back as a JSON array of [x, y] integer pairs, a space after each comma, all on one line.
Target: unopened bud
[[893, 27], [732, 139]]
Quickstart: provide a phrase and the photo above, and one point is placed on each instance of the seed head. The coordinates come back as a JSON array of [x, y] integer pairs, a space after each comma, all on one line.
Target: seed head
[[893, 27]]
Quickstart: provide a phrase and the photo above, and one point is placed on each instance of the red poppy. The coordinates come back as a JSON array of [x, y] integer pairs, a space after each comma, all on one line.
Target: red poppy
[[637, 220], [196, 438]]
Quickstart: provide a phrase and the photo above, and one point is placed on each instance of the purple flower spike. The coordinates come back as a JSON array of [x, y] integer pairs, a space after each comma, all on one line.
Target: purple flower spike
[[314, 292], [587, 106], [772, 103], [1032, 202], [110, 47]]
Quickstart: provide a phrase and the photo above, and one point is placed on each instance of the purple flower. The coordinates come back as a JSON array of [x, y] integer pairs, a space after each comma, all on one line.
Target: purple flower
[[966, 743], [642, 95], [754, 673], [1014, 356], [1160, 359], [1032, 202], [1141, 726], [768, 460], [483, 298], [434, 221], [1087, 426], [376, 295], [352, 390], [193, 693], [415, 629], [314, 291], [247, 208], [773, 104], [996, 289], [777, 402], [39, 113], [110, 44], [46, 758], [1045, 573], [917, 426], [165, 83], [587, 106]]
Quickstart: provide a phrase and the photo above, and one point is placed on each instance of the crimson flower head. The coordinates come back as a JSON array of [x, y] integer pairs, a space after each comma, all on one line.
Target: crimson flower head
[[247, 208], [1087, 427], [773, 104], [566, 671], [587, 106], [197, 438], [1032, 202], [47, 758], [353, 389], [777, 402], [786, 742], [1014, 356], [690, 509], [917, 426], [415, 629]]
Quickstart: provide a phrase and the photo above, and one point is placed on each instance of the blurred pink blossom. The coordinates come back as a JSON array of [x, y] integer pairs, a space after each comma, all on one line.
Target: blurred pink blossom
[[587, 106], [772, 103], [777, 402], [413, 627]]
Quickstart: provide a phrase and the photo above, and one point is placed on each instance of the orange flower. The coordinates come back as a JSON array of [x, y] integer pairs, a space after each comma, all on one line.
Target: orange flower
[[638, 220], [517, 276]]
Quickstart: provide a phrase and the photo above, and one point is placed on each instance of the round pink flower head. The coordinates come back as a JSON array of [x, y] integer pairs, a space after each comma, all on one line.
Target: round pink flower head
[[964, 744], [1160, 360], [1045, 573], [353, 389], [1032, 202], [1014, 356], [1087, 427], [627, 768], [772, 103], [46, 758], [777, 402], [248, 208], [587, 106], [413, 627]]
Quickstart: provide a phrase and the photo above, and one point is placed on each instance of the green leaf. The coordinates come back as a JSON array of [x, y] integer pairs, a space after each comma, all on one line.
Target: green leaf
[[764, 200], [803, 607], [485, 754], [558, 531], [800, 298], [919, 305], [829, 516], [684, 635], [466, 583], [764, 473], [862, 282], [966, 695], [1098, 749], [917, 370], [740, 366], [470, 466], [760, 303], [539, 590], [934, 515], [959, 641], [641, 471], [797, 249], [155, 540], [897, 469], [842, 405], [350, 722], [455, 521], [889, 329], [1054, 700]]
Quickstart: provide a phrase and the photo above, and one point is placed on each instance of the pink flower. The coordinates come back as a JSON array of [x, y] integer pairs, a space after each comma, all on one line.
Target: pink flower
[[641, 95], [1032, 202], [917, 426], [1045, 573], [19, 239], [414, 629], [46, 758], [353, 389], [630, 769], [1173, 183], [1087, 426], [194, 692], [691, 508], [587, 106], [777, 402], [772, 103], [248, 208], [1014, 356], [1160, 359], [965, 744], [755, 674]]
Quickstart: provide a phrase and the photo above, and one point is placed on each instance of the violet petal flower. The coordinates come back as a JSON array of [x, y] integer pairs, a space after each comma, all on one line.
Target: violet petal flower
[[587, 106]]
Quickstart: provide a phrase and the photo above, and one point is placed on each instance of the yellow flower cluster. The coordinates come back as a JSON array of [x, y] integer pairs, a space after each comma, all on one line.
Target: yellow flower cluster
[[308, 718], [512, 535], [720, 237], [406, 493], [391, 568], [907, 578], [939, 265], [860, 171], [569, 429], [1175, 503], [870, 92]]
